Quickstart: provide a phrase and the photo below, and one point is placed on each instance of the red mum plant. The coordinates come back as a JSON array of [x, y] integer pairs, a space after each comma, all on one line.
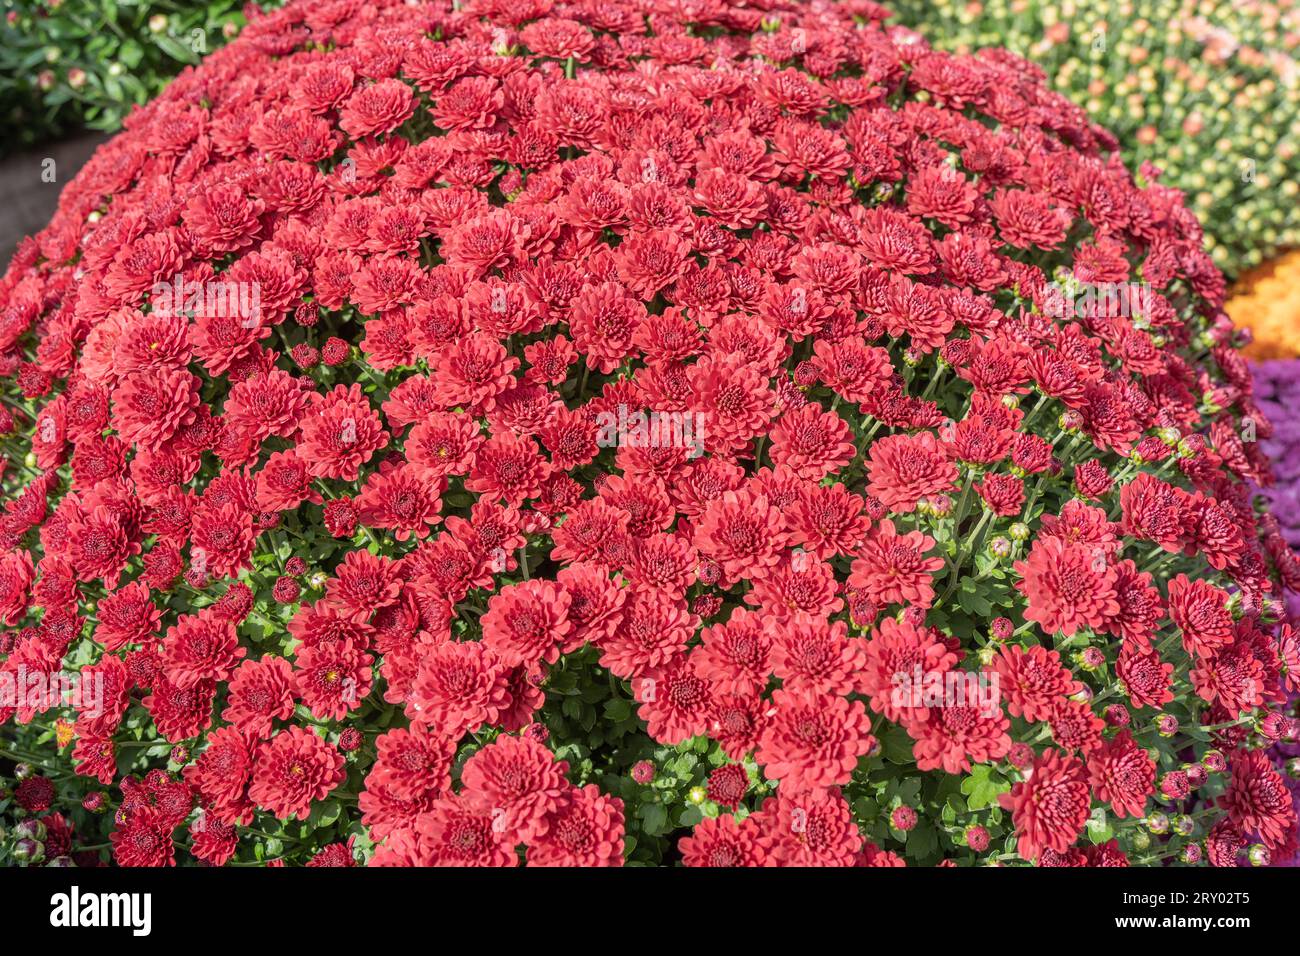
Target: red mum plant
[[569, 433]]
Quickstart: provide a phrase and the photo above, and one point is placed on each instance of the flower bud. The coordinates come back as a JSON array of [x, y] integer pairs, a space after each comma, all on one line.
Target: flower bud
[[30, 829], [902, 818], [1174, 785], [1271, 725], [29, 851], [1117, 715], [1091, 658]]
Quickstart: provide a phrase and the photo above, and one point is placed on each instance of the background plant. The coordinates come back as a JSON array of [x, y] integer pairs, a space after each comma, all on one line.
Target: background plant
[[1266, 300], [65, 64]]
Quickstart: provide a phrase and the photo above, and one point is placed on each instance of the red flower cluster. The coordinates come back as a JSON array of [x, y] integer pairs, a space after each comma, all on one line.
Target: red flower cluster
[[407, 359]]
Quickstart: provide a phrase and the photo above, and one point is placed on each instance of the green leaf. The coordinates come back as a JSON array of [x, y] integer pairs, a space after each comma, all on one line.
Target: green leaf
[[896, 745], [175, 50], [618, 710], [1099, 828], [325, 814], [970, 598], [653, 816], [982, 787], [923, 841]]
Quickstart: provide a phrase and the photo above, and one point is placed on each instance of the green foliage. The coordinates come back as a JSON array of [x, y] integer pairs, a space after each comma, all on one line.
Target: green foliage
[[71, 63]]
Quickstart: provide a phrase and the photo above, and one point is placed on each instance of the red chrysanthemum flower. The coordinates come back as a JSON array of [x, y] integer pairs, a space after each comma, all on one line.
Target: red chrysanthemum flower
[[221, 774], [1201, 612], [675, 702], [522, 782], [527, 623], [1067, 586], [902, 469], [180, 713], [99, 546], [811, 442], [340, 433], [457, 831], [813, 740], [144, 838], [892, 568], [896, 653], [1258, 799], [1122, 774], [1032, 680], [742, 532], [1146, 677], [1050, 807], [459, 688], [721, 841], [442, 444], [811, 828], [127, 616], [149, 409], [200, 647], [811, 655], [412, 764], [953, 735], [586, 830], [292, 770], [332, 679], [260, 692]]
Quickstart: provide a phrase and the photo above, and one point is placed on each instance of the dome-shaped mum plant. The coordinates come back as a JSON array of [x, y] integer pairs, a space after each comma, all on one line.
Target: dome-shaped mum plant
[[570, 433]]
